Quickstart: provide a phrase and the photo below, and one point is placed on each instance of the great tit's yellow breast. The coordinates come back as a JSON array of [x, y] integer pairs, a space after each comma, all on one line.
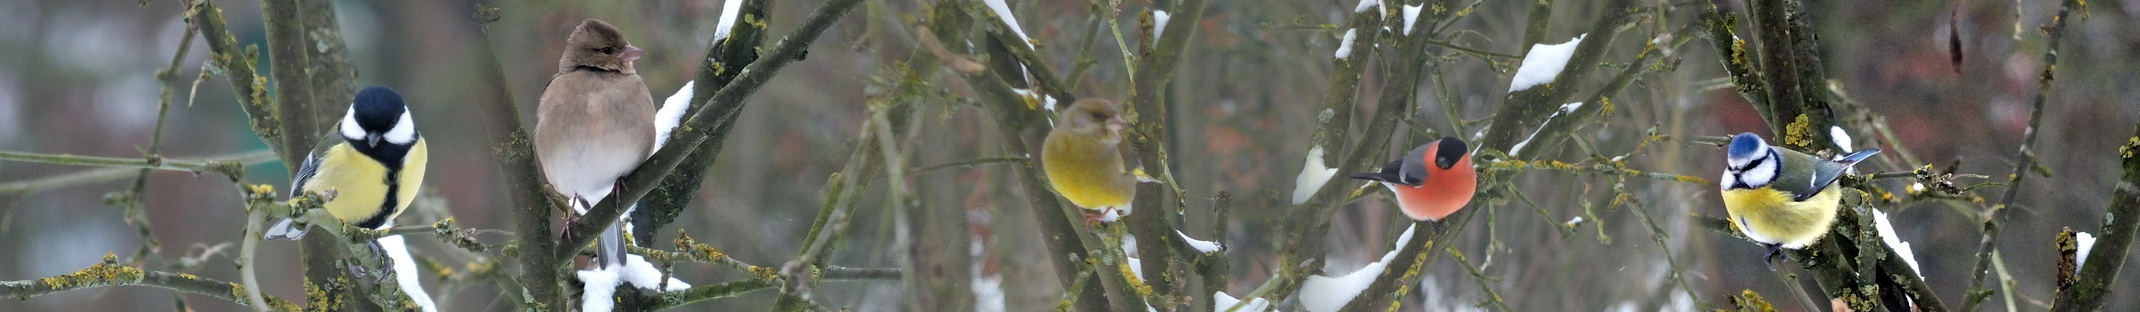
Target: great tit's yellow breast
[[358, 182], [1770, 216], [1078, 169], [412, 176]]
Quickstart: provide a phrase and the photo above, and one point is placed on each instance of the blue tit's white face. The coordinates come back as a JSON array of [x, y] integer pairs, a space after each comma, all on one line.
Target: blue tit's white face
[[1751, 163], [378, 115]]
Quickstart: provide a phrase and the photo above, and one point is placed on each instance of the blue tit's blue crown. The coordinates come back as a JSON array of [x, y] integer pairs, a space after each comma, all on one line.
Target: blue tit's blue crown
[[377, 108], [1746, 145]]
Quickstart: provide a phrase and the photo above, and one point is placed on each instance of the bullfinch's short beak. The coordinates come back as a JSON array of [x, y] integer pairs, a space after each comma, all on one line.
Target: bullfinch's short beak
[[1116, 124], [372, 140], [632, 53]]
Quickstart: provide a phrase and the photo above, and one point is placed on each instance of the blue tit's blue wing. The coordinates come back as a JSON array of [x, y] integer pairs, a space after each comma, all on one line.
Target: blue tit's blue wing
[[1825, 172]]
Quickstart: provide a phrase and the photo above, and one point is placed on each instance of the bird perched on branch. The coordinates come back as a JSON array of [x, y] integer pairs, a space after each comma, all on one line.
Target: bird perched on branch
[[1780, 197], [595, 124], [373, 165], [1086, 161], [1434, 180]]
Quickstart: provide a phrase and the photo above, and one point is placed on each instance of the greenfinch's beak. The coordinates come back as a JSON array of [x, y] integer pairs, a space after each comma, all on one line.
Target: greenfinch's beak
[[632, 53], [1116, 124]]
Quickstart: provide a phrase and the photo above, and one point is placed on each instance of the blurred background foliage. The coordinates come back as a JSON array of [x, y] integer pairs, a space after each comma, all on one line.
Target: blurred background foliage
[[79, 80]]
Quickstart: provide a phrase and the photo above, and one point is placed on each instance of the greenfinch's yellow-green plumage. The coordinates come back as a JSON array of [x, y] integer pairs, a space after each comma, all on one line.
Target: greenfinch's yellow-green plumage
[[1085, 159], [1780, 197], [372, 166]]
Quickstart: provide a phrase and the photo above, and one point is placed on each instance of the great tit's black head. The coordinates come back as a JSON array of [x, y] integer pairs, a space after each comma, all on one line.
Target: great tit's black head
[[1095, 117], [1448, 151], [378, 116], [599, 45]]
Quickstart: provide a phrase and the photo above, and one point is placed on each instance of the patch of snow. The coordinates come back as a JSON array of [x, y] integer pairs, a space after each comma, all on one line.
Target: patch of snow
[[1323, 293], [1129, 245], [644, 275], [729, 10], [601, 283], [1902, 248], [1003, 11], [988, 293], [671, 114], [1045, 100], [601, 287], [405, 272], [1202, 246], [1841, 138], [1313, 174], [1159, 24], [2086, 242], [1220, 302], [1345, 46], [1411, 14], [1366, 4], [1543, 64]]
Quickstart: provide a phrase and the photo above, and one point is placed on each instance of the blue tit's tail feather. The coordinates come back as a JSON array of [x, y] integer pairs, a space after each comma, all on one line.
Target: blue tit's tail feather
[[1854, 158]]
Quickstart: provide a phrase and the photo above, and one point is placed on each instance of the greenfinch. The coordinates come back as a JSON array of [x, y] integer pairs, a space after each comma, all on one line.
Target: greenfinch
[[1086, 161]]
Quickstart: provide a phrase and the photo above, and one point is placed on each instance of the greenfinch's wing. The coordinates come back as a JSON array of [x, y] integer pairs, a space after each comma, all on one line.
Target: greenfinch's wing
[[1130, 164]]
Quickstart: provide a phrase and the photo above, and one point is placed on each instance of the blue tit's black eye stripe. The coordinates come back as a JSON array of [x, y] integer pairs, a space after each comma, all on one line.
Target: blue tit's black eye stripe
[[1756, 163]]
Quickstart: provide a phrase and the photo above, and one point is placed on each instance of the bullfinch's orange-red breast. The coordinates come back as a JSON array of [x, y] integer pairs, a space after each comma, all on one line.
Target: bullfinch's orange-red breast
[[1434, 180]]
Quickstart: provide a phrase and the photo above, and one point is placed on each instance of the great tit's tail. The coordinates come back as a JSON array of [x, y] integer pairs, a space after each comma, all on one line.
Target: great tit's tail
[[285, 229]]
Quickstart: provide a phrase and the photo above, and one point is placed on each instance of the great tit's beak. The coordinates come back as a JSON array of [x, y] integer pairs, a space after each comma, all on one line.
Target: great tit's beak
[[372, 140]]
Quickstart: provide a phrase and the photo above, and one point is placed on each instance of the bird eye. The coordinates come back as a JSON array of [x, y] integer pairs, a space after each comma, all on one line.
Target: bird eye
[[1099, 116], [608, 50]]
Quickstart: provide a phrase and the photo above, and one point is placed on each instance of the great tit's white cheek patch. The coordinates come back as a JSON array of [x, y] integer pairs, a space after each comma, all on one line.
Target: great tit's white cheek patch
[[350, 130], [404, 131]]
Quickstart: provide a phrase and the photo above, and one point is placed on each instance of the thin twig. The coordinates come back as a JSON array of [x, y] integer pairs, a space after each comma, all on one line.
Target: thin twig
[[2026, 158]]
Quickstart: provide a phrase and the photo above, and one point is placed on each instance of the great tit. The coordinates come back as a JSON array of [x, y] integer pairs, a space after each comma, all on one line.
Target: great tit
[[1434, 180], [1086, 161], [1780, 197], [373, 165], [595, 124]]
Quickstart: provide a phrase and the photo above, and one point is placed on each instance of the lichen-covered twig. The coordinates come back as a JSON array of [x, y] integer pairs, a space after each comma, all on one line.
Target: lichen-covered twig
[[110, 273]]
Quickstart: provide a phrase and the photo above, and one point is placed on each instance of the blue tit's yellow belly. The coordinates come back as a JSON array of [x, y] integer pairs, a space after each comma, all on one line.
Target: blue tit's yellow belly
[[1770, 216]]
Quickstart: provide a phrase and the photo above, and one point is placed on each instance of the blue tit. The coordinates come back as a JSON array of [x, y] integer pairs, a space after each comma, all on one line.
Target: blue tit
[[595, 124], [373, 165], [1780, 197]]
